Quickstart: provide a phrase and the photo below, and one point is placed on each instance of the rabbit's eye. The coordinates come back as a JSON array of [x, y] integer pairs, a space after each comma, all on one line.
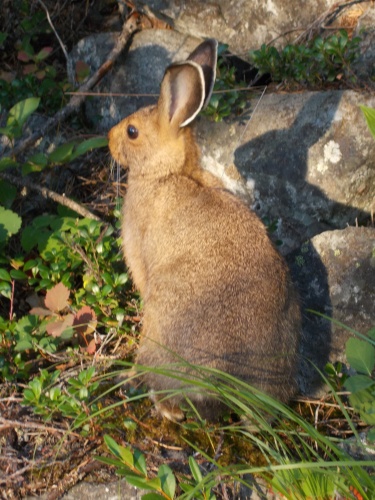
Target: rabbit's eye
[[132, 132]]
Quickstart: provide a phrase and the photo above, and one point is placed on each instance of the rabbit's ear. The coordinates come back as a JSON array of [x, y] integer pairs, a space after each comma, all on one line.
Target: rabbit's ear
[[206, 55], [181, 94], [186, 87]]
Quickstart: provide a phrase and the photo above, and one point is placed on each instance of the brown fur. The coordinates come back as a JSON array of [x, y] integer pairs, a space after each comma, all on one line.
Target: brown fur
[[216, 292]]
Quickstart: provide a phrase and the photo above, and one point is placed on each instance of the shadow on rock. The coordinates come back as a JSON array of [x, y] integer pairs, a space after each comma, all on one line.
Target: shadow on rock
[[277, 164]]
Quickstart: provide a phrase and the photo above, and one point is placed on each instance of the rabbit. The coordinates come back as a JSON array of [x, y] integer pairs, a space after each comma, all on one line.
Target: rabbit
[[216, 292]]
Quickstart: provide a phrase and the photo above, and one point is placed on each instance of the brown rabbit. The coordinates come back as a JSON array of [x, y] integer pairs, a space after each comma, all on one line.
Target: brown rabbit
[[216, 292]]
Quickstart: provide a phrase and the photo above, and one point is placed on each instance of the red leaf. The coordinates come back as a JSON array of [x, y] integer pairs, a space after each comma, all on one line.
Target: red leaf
[[40, 311], [91, 348], [43, 54], [85, 321], [29, 69], [23, 56], [57, 298], [40, 74], [56, 328]]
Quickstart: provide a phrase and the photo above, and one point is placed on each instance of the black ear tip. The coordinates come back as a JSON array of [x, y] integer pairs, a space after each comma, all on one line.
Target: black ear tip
[[213, 43], [206, 51]]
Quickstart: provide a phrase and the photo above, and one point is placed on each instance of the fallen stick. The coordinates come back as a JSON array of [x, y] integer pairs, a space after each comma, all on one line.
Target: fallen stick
[[47, 193]]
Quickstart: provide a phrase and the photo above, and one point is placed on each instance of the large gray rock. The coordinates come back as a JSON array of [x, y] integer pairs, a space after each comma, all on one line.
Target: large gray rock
[[136, 75], [242, 24], [335, 273]]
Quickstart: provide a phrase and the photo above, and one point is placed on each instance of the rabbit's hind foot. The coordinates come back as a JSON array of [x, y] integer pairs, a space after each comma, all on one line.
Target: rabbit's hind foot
[[168, 409]]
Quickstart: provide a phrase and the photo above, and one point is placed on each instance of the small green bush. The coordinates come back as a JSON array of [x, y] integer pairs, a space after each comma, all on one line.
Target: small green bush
[[322, 60]]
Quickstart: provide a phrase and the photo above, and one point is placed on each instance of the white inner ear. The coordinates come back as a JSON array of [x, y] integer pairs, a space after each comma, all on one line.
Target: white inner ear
[[184, 91]]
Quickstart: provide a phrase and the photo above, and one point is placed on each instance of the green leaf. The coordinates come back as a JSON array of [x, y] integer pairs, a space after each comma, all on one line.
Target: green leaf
[[368, 412], [35, 163], [370, 118], [119, 451], [140, 462], [167, 479], [62, 153], [371, 435], [4, 275], [8, 193], [50, 243], [358, 383], [43, 53], [89, 145], [10, 223], [20, 112], [195, 470], [3, 37], [6, 162], [30, 238], [186, 487], [121, 279], [360, 398], [16, 274], [152, 496], [23, 345], [43, 221], [5, 289], [140, 482], [360, 355]]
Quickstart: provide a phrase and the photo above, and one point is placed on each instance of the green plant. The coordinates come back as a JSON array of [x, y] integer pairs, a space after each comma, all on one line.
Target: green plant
[[76, 267], [51, 401], [132, 465], [33, 77], [62, 154], [318, 61], [336, 375], [291, 455], [369, 114], [360, 355], [227, 97], [17, 117]]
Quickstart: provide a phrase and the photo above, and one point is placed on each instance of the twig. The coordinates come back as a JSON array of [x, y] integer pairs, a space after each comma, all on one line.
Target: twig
[[166, 446], [10, 424], [47, 193], [9, 477], [54, 30], [130, 27]]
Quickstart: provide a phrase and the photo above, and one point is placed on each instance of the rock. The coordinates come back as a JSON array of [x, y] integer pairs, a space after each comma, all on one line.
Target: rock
[[309, 159], [241, 24], [136, 74], [335, 273], [119, 490], [364, 68]]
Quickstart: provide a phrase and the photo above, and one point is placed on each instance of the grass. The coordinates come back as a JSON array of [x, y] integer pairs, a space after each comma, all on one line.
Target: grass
[[290, 454]]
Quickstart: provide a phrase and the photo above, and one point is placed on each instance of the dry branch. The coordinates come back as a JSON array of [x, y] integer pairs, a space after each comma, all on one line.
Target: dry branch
[[47, 193]]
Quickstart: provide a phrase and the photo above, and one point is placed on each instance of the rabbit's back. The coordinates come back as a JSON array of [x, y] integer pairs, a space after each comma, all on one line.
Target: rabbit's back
[[217, 292]]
